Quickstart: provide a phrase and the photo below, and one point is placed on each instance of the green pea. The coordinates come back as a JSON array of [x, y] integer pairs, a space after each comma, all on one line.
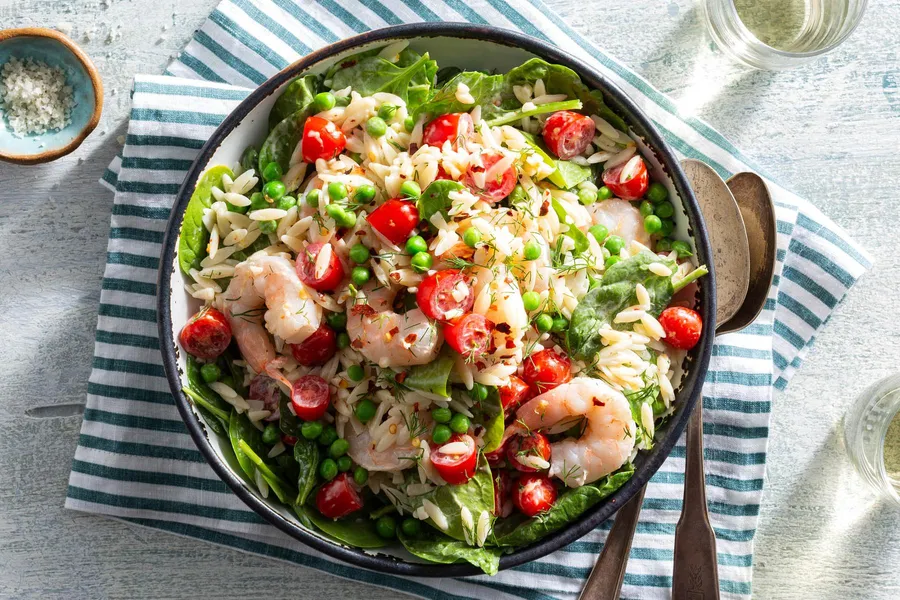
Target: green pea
[[604, 193], [416, 244], [421, 262], [459, 423], [311, 430], [544, 323], [471, 237], [386, 527], [441, 434], [442, 415], [356, 373], [668, 226], [409, 124], [273, 191], [359, 254], [612, 260], [517, 196], [286, 203], [312, 198], [249, 158], [360, 275], [338, 448], [343, 340], [531, 300], [328, 469], [347, 220], [532, 250], [210, 372], [410, 189], [364, 194], [614, 244], [335, 211], [360, 476], [664, 210], [376, 127], [657, 192], [271, 434], [387, 111], [652, 224], [243, 210], [600, 233], [560, 324], [682, 248], [664, 245], [337, 191], [328, 435], [479, 392], [272, 172], [586, 196], [323, 101], [365, 410], [411, 527], [268, 226], [344, 463], [258, 201], [646, 208], [336, 320]]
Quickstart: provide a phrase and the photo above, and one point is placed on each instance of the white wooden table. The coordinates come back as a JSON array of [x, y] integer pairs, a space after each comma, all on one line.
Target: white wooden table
[[829, 130]]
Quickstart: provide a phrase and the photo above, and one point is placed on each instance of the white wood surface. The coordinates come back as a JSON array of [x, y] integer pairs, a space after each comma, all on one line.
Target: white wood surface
[[829, 131]]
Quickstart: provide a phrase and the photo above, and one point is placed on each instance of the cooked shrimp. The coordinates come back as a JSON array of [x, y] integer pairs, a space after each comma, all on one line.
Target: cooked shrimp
[[621, 218], [292, 315], [396, 458], [608, 437], [388, 338]]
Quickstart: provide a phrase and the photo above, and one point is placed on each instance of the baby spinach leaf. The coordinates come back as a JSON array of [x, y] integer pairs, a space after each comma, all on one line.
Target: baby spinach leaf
[[506, 118], [477, 495], [439, 548], [571, 504], [288, 421], [283, 140], [297, 96], [615, 293], [445, 74], [348, 62], [436, 198], [489, 412], [410, 78], [355, 530], [306, 453], [194, 236], [431, 377], [487, 90]]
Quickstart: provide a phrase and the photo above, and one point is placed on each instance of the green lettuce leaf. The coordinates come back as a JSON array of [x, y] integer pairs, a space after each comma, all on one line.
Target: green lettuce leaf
[[355, 530], [194, 236], [297, 96], [410, 78], [282, 140], [432, 377], [489, 412], [439, 548], [436, 198], [477, 495], [306, 453]]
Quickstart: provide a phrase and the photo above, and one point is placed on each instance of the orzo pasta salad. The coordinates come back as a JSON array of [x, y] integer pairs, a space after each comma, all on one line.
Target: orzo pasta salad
[[437, 305]]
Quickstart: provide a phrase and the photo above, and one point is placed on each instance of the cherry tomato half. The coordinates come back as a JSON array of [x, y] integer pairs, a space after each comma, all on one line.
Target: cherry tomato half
[[338, 498], [448, 127], [503, 484], [522, 449], [317, 349], [534, 494], [310, 397], [457, 465], [321, 139], [683, 326], [328, 279], [497, 184], [470, 335], [513, 394], [632, 188], [395, 219], [206, 335], [445, 295], [266, 389], [568, 134], [546, 369]]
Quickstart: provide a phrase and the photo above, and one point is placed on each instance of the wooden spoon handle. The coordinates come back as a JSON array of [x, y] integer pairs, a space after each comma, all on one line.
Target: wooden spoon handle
[[696, 569], [605, 581]]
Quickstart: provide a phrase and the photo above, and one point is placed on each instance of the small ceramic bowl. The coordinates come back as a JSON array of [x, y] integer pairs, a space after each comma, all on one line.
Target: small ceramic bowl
[[56, 50]]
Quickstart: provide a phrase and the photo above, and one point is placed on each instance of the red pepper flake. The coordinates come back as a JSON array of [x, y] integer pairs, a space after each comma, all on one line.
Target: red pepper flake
[[510, 343], [545, 208], [394, 331], [400, 377], [598, 402], [411, 338], [362, 309], [504, 328]]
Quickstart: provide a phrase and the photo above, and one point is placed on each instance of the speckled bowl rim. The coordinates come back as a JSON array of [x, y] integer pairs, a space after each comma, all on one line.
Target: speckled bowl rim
[[96, 84], [689, 391]]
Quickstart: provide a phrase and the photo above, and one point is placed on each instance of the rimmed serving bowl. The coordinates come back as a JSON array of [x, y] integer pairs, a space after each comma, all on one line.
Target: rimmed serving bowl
[[468, 47]]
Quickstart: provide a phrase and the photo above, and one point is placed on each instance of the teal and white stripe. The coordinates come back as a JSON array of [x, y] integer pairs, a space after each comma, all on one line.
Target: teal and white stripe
[[135, 460]]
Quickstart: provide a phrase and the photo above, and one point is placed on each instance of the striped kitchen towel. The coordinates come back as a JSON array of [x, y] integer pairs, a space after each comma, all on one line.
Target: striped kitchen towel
[[135, 460]]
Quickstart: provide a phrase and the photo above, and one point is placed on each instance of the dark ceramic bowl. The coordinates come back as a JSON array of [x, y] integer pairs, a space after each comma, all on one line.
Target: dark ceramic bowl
[[468, 47]]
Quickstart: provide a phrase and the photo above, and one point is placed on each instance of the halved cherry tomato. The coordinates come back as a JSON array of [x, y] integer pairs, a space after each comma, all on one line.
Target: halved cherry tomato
[[448, 127], [321, 139], [513, 394], [546, 369], [497, 184], [683, 326], [534, 494], [310, 397], [329, 279], [495, 457], [503, 505], [395, 219], [317, 349], [632, 188], [206, 335], [458, 466], [338, 498], [521, 448], [470, 335], [288, 440], [445, 295], [568, 133], [266, 389]]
